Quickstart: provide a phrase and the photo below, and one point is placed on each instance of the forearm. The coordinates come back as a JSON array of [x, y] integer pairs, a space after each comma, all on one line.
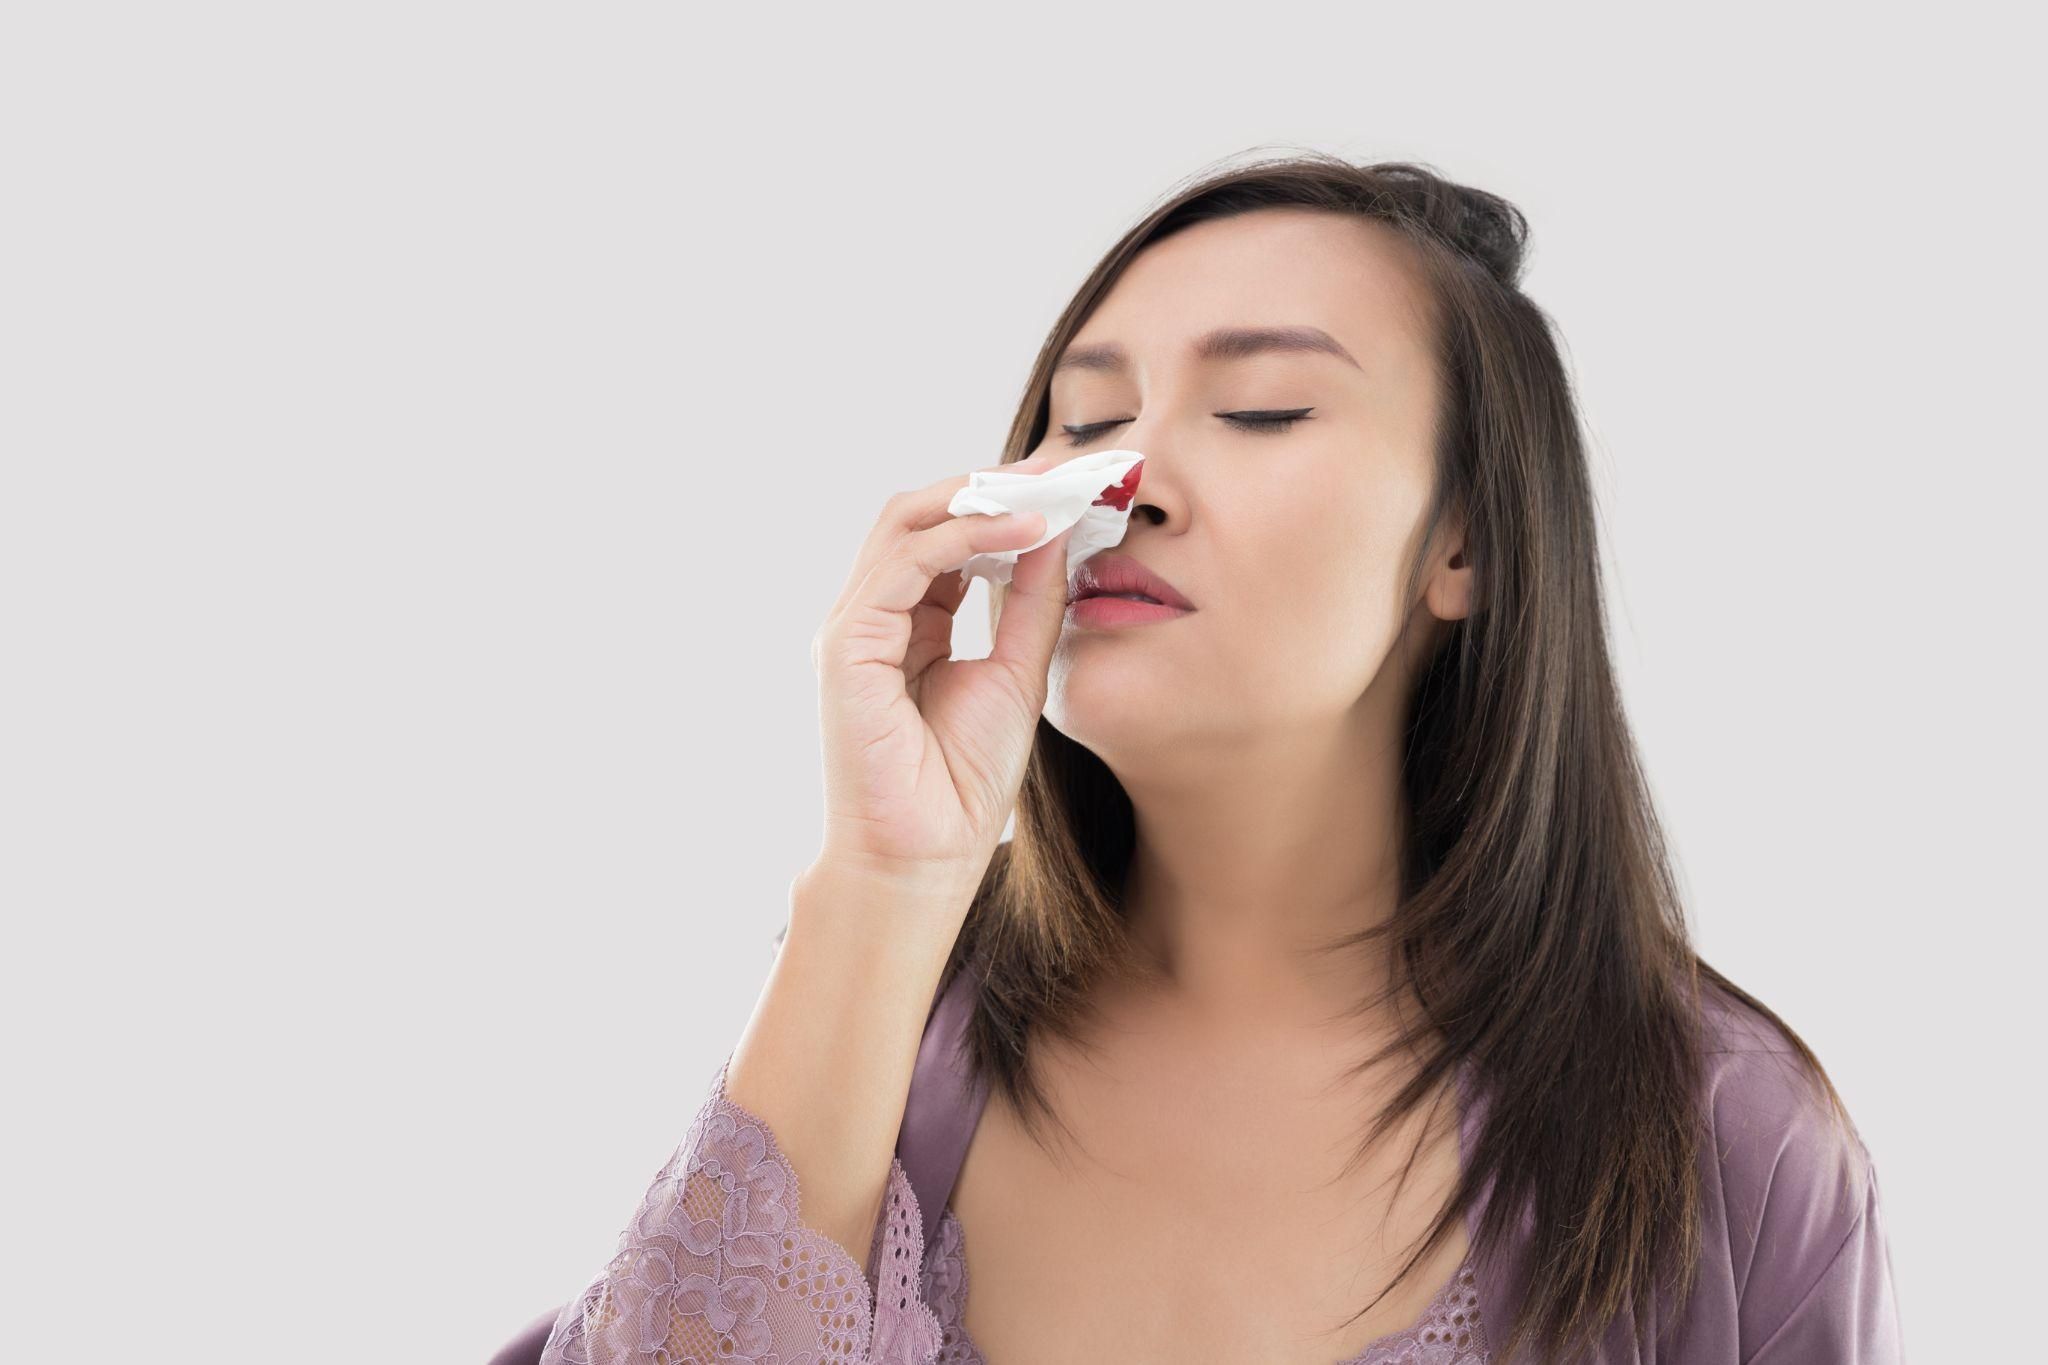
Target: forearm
[[826, 1058]]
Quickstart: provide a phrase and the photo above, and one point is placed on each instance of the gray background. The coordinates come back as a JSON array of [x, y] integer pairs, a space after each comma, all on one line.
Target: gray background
[[432, 434]]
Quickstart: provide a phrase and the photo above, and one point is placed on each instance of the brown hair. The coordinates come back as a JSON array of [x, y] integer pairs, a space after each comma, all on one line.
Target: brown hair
[[1540, 925]]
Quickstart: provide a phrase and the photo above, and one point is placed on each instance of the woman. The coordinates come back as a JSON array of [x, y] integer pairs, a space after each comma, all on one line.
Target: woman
[[1332, 1001]]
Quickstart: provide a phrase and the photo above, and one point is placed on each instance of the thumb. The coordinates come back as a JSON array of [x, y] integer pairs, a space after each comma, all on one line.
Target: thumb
[[1034, 608]]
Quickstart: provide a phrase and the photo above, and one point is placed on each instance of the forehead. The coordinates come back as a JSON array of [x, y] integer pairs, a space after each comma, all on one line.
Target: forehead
[[1354, 278]]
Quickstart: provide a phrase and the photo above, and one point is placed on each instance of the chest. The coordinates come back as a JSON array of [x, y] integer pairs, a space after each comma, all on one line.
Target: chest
[[1196, 1206]]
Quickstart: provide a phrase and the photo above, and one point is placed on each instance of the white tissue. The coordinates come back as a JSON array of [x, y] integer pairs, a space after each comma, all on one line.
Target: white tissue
[[1065, 494]]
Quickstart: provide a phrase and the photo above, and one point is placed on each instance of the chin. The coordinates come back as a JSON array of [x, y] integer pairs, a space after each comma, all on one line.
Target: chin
[[1104, 699]]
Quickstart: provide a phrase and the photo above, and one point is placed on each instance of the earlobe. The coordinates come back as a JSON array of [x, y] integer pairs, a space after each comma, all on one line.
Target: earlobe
[[1450, 593]]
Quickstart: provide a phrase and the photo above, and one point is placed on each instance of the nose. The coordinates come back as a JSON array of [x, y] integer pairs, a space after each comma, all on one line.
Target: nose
[[1158, 496]]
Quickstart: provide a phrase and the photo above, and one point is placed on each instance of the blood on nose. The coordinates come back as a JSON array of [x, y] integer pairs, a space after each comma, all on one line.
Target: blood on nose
[[1118, 495]]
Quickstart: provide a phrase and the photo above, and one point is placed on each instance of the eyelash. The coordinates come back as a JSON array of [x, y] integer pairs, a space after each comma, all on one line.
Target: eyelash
[[1270, 421]]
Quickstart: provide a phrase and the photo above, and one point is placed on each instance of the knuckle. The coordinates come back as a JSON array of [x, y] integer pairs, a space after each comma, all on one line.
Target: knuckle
[[831, 661], [912, 550], [828, 646]]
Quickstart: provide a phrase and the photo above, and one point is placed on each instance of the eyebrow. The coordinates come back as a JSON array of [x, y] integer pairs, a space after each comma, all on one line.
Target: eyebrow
[[1225, 343]]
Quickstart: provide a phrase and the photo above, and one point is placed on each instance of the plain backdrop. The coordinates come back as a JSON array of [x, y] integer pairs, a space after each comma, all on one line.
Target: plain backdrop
[[433, 433]]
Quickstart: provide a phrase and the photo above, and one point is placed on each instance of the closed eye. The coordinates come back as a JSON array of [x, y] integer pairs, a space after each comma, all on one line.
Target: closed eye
[[1268, 420]]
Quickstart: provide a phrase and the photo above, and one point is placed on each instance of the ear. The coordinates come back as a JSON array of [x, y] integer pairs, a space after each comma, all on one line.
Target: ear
[[1448, 589]]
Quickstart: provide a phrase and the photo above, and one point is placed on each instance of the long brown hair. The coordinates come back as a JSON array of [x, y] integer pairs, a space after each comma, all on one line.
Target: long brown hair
[[1540, 925]]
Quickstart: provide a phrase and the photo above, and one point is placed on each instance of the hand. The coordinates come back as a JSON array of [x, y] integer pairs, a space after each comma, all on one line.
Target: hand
[[924, 754]]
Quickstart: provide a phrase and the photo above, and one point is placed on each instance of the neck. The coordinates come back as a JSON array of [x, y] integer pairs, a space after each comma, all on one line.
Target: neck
[[1251, 853]]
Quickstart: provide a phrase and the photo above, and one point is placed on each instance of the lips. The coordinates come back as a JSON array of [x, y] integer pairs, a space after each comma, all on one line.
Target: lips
[[1111, 575]]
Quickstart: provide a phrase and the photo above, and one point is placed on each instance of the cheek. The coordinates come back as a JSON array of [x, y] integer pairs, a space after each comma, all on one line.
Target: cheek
[[1314, 599]]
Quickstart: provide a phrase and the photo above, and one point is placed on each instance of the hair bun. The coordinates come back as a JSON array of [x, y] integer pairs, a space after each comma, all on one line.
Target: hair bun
[[1492, 231], [1489, 230], [1473, 222]]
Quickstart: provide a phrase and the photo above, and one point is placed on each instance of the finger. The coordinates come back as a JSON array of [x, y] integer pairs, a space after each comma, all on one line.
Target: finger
[[1034, 610], [918, 510], [879, 615], [931, 635], [946, 593]]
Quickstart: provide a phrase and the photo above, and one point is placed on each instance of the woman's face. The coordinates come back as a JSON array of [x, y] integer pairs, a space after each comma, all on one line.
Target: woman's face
[[1292, 542]]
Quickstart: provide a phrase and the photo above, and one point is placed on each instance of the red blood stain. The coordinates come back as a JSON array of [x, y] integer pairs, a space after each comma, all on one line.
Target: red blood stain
[[1118, 495]]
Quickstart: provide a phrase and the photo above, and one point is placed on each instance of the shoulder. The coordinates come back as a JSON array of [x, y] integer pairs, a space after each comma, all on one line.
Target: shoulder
[[1778, 1130], [1789, 1180]]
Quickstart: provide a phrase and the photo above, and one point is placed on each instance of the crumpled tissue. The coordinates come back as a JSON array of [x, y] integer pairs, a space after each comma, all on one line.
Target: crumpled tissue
[[1091, 493]]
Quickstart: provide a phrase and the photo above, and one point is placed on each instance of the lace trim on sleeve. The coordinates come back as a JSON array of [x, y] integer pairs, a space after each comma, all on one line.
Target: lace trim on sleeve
[[718, 1266]]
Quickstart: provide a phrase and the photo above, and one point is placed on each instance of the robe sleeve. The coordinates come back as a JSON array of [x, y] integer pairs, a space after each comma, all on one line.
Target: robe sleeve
[[1831, 1297], [717, 1264], [1806, 1223]]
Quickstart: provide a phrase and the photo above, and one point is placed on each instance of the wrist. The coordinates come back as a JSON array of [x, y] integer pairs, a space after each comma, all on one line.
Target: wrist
[[885, 912], [923, 888]]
